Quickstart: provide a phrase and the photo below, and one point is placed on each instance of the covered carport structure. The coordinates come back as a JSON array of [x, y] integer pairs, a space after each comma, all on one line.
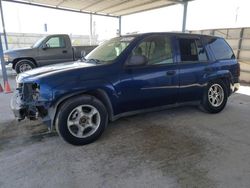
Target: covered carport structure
[[110, 8]]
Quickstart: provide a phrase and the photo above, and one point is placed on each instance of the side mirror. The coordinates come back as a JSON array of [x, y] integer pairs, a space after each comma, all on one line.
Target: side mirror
[[136, 60], [45, 46]]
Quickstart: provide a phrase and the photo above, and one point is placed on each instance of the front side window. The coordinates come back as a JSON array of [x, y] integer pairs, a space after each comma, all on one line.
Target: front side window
[[157, 50], [56, 42], [192, 50], [110, 50]]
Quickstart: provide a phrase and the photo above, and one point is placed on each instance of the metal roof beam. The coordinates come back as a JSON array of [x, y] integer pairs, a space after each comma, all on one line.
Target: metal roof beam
[[91, 5], [139, 11], [113, 6], [59, 4], [136, 6], [58, 8]]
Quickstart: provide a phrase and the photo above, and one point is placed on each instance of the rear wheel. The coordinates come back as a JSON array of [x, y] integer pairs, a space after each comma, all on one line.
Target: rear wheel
[[24, 65], [215, 97], [81, 120]]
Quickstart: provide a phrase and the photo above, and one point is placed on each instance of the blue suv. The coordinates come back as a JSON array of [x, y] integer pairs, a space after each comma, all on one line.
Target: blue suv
[[124, 76]]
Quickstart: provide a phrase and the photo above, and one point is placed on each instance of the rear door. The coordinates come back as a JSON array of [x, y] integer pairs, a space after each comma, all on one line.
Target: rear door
[[56, 52], [153, 84], [193, 66]]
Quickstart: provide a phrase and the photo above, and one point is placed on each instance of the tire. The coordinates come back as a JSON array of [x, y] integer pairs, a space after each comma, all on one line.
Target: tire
[[215, 97], [81, 120], [24, 65]]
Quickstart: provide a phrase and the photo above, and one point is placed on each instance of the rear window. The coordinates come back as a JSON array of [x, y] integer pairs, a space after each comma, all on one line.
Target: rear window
[[221, 49]]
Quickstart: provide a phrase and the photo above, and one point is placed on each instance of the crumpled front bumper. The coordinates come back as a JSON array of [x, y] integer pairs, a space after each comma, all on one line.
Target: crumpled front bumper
[[18, 109], [21, 110]]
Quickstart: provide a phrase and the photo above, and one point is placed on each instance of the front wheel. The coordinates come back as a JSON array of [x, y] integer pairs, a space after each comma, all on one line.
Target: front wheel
[[81, 120], [215, 97]]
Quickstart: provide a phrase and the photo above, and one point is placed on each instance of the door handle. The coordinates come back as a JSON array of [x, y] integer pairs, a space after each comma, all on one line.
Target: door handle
[[171, 73], [64, 51]]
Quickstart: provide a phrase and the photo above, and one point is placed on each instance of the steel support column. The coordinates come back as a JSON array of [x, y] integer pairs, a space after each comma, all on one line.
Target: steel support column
[[3, 25], [5, 78], [240, 43], [120, 25], [184, 20], [91, 27], [4, 73]]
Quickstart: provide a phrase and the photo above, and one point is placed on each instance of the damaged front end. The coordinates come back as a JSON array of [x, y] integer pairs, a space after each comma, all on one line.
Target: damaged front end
[[25, 102]]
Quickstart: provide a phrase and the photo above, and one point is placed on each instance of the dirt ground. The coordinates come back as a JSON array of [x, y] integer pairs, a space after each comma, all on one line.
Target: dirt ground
[[182, 147]]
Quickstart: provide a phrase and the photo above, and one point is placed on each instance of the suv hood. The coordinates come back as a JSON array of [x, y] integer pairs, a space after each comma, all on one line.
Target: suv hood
[[51, 70]]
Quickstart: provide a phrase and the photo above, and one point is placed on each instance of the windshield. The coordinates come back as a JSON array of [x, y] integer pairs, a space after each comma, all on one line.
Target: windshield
[[109, 50], [37, 43]]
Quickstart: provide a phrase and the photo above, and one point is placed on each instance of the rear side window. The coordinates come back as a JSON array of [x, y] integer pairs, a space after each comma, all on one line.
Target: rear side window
[[192, 50], [221, 49]]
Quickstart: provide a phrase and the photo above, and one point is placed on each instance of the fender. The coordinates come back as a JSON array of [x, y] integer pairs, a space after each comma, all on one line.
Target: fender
[[220, 74], [100, 89], [224, 75]]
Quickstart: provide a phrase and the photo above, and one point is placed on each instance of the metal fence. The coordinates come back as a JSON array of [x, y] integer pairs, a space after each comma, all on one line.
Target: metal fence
[[239, 40]]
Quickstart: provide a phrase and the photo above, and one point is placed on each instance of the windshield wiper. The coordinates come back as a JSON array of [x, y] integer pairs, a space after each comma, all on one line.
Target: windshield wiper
[[96, 61]]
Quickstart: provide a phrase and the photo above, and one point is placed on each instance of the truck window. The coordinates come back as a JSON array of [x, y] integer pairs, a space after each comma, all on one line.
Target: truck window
[[221, 49], [56, 42], [38, 43], [156, 49], [192, 50]]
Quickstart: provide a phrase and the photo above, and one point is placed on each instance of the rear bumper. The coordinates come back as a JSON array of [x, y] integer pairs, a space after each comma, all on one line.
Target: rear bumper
[[235, 87]]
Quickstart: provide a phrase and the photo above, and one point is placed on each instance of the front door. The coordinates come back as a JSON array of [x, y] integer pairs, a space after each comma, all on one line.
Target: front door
[[56, 51], [156, 82]]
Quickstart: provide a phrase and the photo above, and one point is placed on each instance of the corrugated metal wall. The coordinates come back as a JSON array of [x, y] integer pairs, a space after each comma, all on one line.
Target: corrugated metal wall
[[239, 40]]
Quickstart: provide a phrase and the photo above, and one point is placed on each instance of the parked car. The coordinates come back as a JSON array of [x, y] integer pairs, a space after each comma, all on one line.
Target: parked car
[[128, 75], [46, 51]]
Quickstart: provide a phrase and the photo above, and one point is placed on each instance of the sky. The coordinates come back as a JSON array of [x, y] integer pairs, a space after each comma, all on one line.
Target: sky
[[202, 14]]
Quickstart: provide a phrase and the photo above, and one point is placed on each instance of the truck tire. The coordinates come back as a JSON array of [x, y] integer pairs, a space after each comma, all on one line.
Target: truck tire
[[81, 120], [24, 65], [215, 96]]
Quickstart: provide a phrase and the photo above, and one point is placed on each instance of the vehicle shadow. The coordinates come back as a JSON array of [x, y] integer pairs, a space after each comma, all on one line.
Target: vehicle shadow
[[159, 141], [14, 134], [163, 144]]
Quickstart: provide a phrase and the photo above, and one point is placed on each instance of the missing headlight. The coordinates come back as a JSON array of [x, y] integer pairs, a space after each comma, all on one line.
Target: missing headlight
[[30, 92], [35, 91]]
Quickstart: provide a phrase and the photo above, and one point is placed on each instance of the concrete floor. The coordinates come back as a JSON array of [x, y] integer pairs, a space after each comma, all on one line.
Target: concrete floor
[[182, 147]]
